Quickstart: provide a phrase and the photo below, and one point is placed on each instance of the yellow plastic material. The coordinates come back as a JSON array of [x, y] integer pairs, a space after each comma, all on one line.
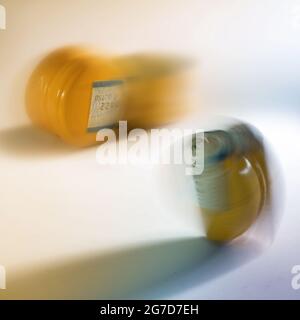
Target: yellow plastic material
[[159, 89], [59, 92], [246, 196], [236, 189]]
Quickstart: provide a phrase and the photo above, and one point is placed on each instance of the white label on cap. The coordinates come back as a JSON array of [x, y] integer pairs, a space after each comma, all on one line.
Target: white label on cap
[[105, 104], [212, 188]]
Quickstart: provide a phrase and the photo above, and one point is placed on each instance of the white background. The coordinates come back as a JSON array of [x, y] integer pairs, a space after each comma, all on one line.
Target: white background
[[59, 207]]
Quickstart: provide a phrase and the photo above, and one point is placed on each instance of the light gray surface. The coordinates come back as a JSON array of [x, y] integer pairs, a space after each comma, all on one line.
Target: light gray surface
[[58, 207], [268, 275]]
